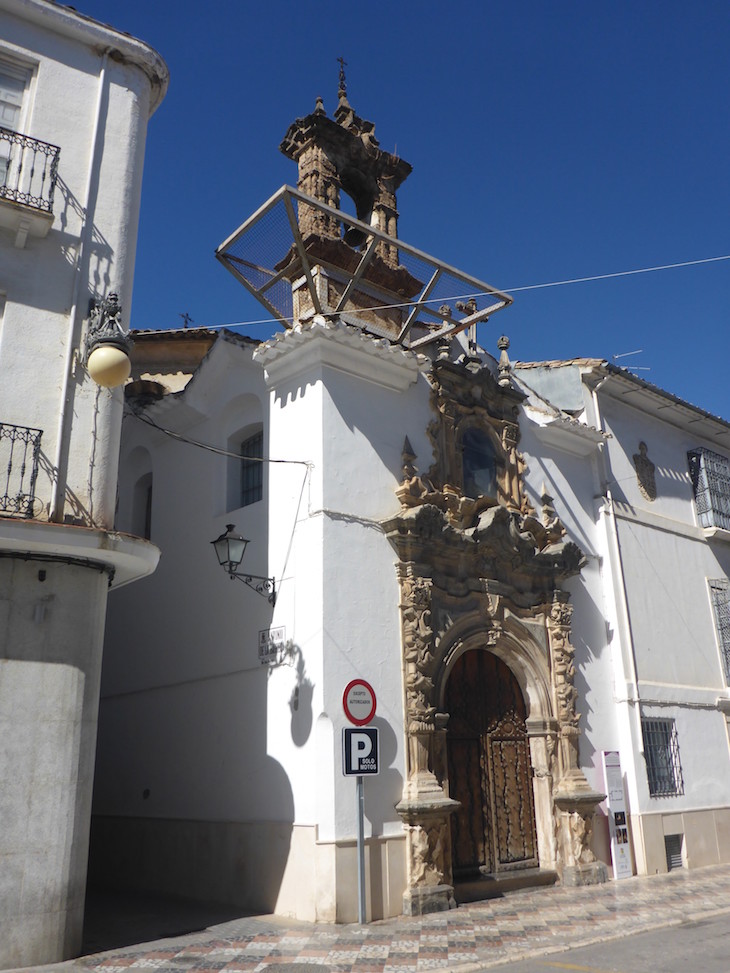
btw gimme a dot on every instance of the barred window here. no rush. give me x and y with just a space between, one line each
661 751
720 594
252 469
710 475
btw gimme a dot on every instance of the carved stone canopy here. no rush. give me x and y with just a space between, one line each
501 547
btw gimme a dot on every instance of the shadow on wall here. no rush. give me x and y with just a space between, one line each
386 789
100 253
300 701
588 644
187 801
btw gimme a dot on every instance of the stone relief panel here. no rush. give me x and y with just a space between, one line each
468 566
645 473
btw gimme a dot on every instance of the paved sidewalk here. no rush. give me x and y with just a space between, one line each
474 936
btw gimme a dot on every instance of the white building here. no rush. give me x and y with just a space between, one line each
468 537
75 99
654 518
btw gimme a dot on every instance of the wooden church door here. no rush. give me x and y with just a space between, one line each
489 768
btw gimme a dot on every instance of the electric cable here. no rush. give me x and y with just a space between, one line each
508 290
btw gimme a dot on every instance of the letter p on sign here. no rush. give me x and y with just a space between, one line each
359 751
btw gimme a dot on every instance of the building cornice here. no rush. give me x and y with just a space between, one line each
124 557
566 433
623 386
79 27
291 354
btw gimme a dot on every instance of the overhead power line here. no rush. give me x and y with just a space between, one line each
509 290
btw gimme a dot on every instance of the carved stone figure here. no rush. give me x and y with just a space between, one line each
427 854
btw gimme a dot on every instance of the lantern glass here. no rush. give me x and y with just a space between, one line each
229 549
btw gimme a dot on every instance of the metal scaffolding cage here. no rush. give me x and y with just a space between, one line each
383 285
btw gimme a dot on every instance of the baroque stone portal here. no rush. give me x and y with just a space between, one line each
480 571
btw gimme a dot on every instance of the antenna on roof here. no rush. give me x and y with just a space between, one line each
632 368
186 319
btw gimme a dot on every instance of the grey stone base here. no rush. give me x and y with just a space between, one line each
594 873
428 898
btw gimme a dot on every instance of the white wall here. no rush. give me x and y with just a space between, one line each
342 611
184 697
101 177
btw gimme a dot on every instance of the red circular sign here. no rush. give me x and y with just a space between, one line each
358 701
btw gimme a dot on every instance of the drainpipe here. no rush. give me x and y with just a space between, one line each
615 546
72 350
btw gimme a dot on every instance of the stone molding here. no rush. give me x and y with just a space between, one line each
291 354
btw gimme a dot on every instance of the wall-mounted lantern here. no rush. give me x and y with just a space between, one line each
229 549
107 344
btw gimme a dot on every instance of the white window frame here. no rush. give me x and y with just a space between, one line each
26 71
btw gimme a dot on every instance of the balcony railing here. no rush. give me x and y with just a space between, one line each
28 170
19 451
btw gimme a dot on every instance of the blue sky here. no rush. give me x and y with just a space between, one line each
548 141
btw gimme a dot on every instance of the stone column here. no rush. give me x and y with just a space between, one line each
425 809
318 178
575 802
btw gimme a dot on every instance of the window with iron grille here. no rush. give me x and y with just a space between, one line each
720 594
252 469
710 473
661 752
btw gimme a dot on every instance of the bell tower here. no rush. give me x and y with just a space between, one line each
302 256
342 155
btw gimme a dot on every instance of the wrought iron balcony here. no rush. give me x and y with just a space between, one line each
28 170
19 452
710 474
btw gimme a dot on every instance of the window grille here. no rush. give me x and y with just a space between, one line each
252 469
661 751
710 475
720 594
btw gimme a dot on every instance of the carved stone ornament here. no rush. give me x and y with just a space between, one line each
465 563
645 473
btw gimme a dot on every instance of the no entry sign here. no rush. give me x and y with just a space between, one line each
358 702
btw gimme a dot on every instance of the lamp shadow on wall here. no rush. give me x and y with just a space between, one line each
300 701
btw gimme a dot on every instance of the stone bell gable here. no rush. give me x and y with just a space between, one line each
480 570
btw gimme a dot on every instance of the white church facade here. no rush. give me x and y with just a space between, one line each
527 562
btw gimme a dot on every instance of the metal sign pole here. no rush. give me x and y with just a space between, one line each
361 918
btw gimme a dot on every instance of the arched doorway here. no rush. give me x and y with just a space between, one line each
489 768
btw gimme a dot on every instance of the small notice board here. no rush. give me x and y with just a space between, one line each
617 823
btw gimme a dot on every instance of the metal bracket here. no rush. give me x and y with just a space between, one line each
266 587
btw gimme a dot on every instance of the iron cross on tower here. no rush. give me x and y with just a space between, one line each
343 82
